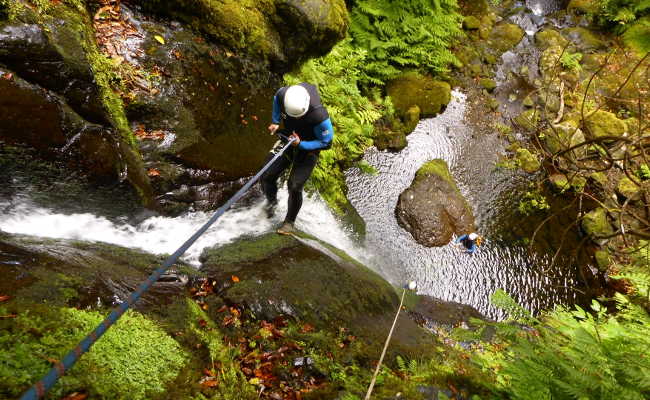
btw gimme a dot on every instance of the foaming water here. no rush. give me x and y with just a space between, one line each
161 235
446 272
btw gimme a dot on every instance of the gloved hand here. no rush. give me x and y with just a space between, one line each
273 128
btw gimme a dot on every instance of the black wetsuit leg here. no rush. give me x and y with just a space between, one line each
303 165
269 179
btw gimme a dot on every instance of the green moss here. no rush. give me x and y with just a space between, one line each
506 36
604 123
559 182
584 39
435 167
527 161
595 224
470 22
135 359
412 88
488 84
583 6
602 260
599 178
528 119
549 37
628 188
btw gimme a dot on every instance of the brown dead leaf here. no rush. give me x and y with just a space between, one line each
222 309
8 316
306 328
208 372
235 278
4 298
153 172
209 382
75 396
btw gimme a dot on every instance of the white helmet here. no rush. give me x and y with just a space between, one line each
473 236
296 101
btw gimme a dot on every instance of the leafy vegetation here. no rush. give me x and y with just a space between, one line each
630 18
385 38
135 357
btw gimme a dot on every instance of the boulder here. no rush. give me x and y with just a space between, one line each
595 224
584 39
628 189
527 161
284 32
305 278
583 6
505 36
82 274
549 37
41 119
470 23
432 209
604 123
412 89
488 84
528 119
563 136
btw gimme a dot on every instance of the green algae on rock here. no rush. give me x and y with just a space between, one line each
527 161
505 36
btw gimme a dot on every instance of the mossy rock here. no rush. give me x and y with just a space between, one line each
284 32
528 161
584 39
310 280
598 177
432 209
559 182
82 274
488 84
470 22
627 188
602 260
549 37
549 60
595 224
604 123
410 89
528 119
505 36
136 356
583 6
563 136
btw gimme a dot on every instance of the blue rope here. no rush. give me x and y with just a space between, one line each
41 387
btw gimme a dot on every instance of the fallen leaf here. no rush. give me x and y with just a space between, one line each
8 316
209 382
4 298
222 308
306 328
208 372
153 172
75 396
235 278
159 39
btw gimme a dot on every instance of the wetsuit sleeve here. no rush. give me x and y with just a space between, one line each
324 133
472 249
461 238
276 110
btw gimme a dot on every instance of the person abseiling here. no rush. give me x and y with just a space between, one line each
470 242
299 109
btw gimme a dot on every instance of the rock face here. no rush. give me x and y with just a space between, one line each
312 281
432 209
80 274
506 36
198 91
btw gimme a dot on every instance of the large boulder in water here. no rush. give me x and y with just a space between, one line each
413 89
311 281
432 209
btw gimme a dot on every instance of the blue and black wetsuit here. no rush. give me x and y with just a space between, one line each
470 245
316 133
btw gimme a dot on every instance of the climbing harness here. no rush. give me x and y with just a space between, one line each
41 387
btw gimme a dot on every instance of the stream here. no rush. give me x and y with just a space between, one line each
445 273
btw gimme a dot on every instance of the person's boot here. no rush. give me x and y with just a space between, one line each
269 208
287 228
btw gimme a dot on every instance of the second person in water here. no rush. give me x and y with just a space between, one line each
299 109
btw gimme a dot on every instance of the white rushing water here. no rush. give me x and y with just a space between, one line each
160 235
